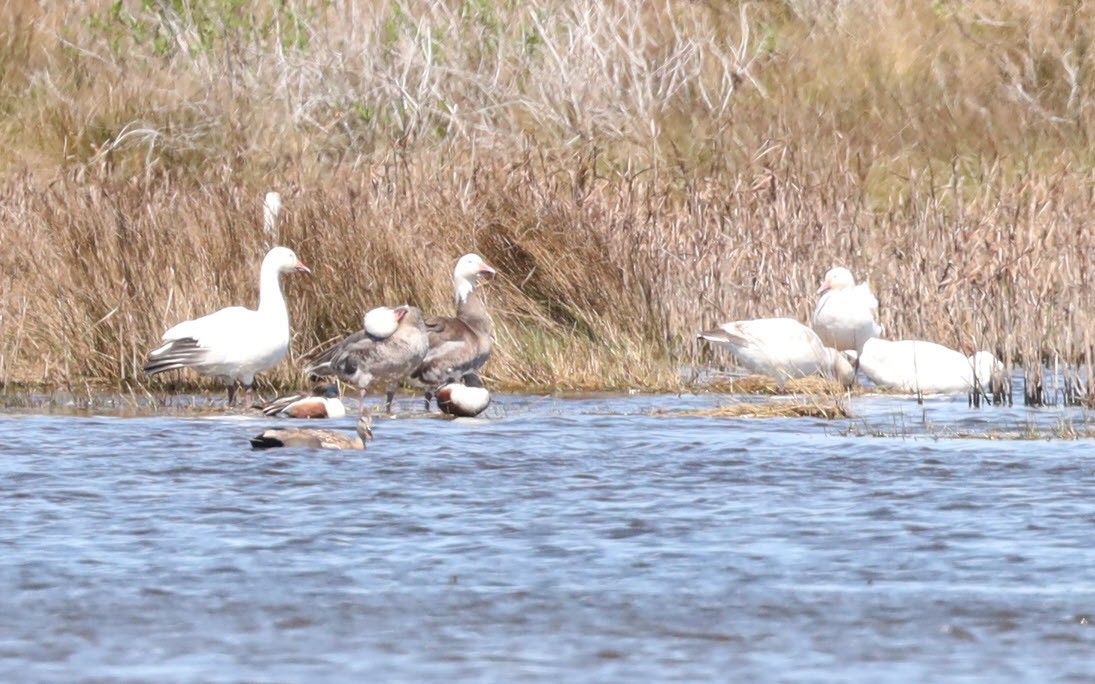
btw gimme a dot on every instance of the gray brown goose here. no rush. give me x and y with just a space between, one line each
459 344
376 354
314 438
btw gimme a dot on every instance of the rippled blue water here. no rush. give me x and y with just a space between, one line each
558 540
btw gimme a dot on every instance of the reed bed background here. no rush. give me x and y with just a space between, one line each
635 171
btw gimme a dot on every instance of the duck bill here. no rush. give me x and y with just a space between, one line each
301 268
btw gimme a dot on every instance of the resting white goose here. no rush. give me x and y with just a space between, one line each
916 366
379 351
234 343
846 314
462 344
781 348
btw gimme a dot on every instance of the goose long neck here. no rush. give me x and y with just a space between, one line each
474 312
464 287
271 299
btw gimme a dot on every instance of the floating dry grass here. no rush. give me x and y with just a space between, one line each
764 385
799 407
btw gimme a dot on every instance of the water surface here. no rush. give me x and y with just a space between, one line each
557 540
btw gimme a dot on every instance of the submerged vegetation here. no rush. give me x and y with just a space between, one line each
635 172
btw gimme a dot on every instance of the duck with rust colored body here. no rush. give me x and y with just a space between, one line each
465 399
323 402
459 344
235 343
314 438
390 345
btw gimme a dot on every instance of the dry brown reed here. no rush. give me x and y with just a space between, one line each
636 171
829 408
762 384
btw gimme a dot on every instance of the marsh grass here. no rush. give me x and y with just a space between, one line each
762 384
635 171
829 408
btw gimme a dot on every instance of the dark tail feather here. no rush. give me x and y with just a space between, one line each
264 442
182 353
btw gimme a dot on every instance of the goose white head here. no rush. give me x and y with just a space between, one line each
467 272
837 278
283 260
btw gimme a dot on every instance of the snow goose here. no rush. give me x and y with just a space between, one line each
846 314
918 367
465 399
313 438
234 343
781 348
323 402
378 352
460 344
271 205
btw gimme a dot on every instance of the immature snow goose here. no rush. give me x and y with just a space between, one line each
313 438
460 344
378 352
846 314
465 399
234 343
323 402
781 348
919 367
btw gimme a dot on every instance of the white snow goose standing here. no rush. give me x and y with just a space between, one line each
234 343
271 206
846 314
379 351
781 348
323 402
458 345
465 399
920 367
314 438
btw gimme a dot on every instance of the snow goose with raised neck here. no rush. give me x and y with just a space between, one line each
920 367
465 399
781 348
271 206
235 343
314 438
323 402
846 314
458 345
380 351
